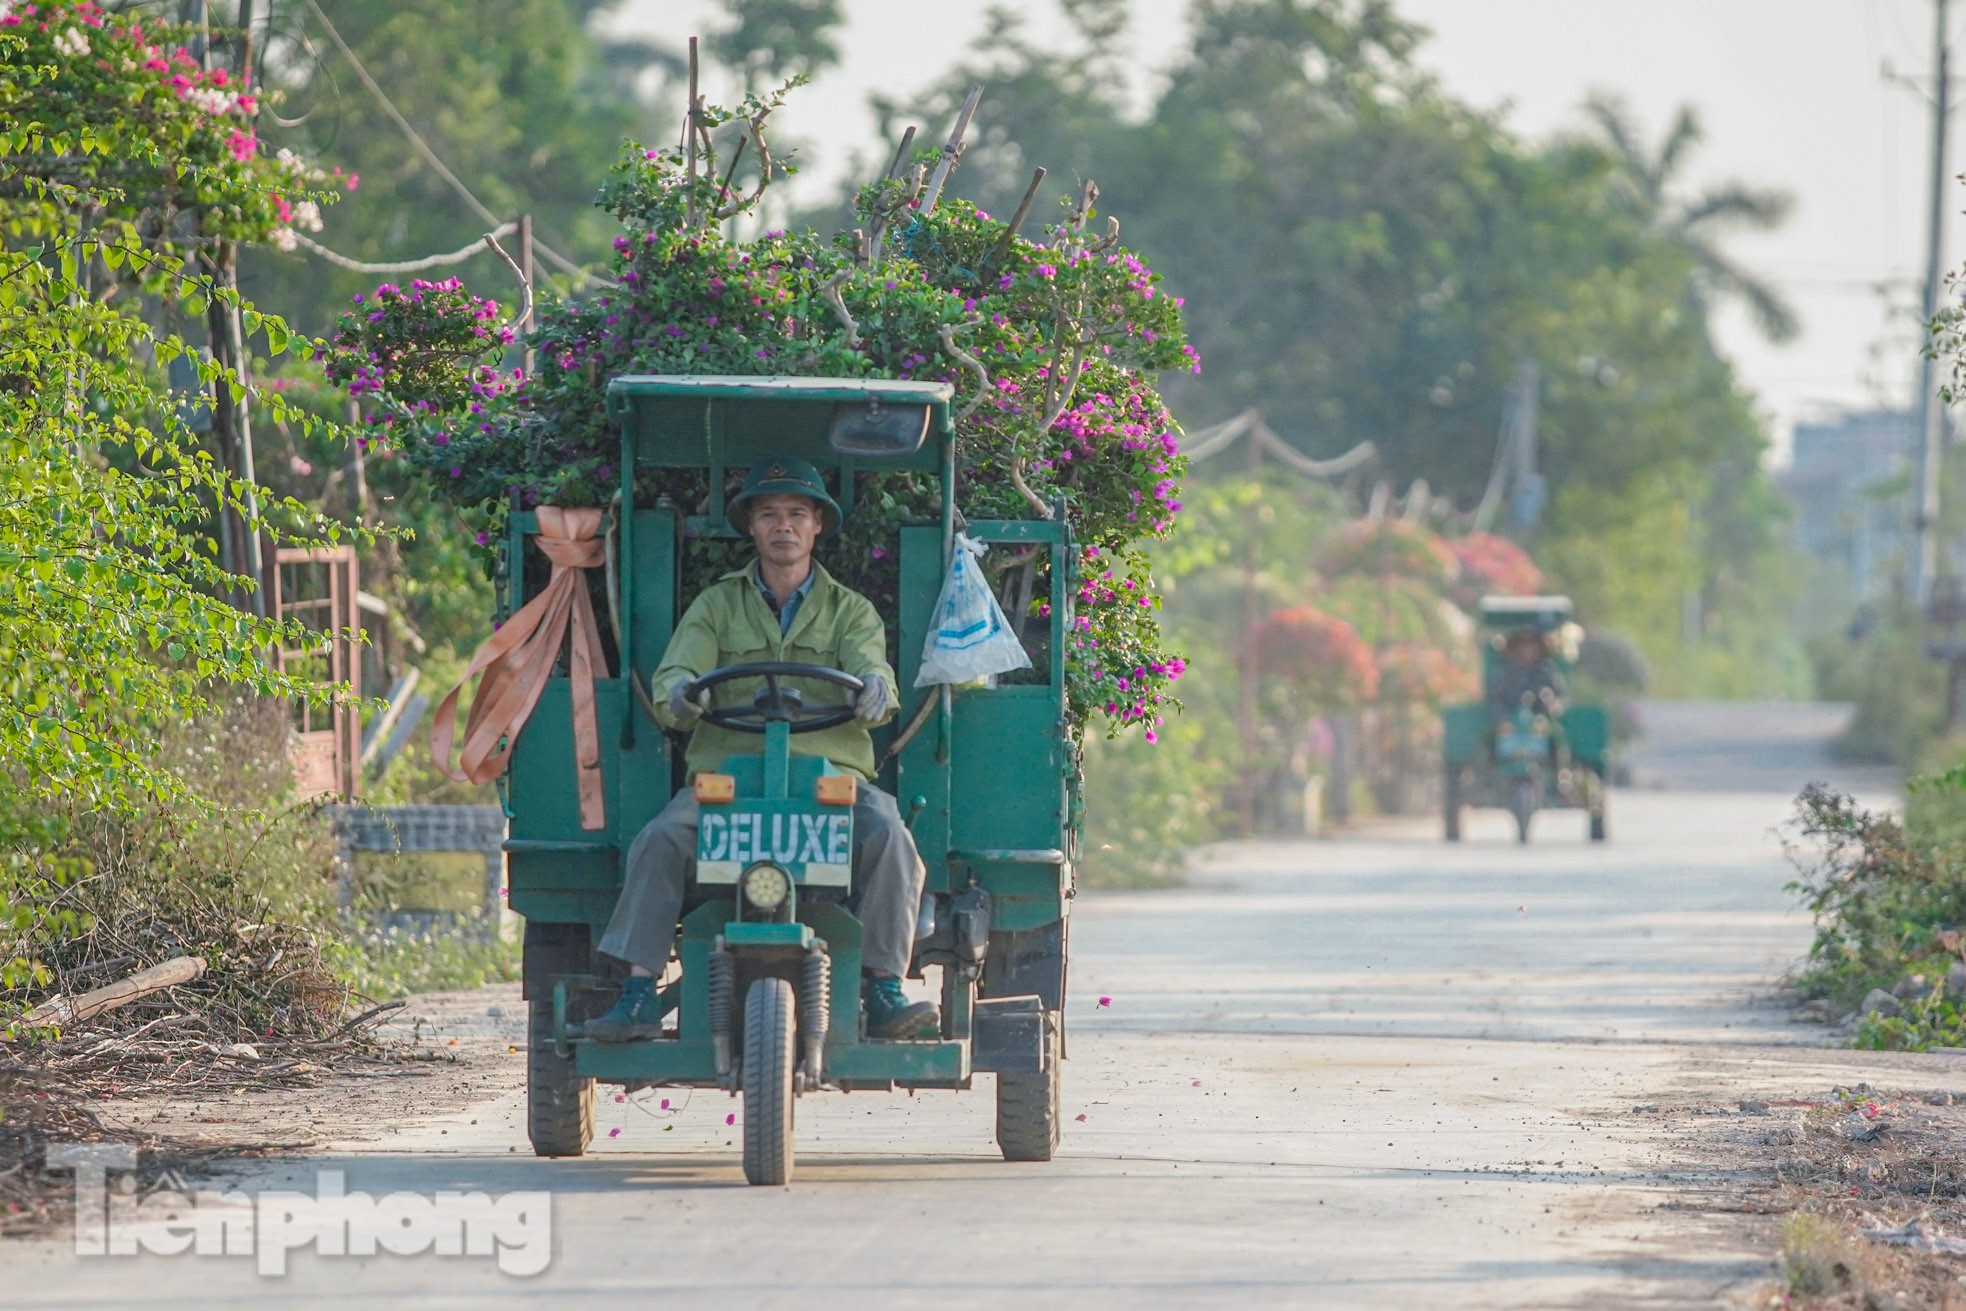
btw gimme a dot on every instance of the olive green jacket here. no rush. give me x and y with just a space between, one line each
730 624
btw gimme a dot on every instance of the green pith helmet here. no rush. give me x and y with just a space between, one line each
783 475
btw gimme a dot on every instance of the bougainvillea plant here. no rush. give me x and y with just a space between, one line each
1387 548
1424 675
1319 657
1492 566
1051 345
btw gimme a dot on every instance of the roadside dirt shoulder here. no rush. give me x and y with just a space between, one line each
451 1049
439 1055
1847 1168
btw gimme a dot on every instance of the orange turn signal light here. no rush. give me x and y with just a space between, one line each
838 790
716 788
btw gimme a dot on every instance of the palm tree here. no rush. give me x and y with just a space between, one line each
1696 224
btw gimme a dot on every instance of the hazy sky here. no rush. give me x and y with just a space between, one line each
1790 91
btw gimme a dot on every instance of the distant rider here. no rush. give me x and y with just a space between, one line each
1527 670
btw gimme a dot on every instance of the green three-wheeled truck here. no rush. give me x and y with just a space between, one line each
1513 750
763 999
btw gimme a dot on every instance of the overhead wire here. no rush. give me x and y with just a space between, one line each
409 265
430 156
1249 424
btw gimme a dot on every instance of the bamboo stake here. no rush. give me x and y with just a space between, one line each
901 152
689 135
951 149
1016 220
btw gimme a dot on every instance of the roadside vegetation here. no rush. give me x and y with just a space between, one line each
1889 899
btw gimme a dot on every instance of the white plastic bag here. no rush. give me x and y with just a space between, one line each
970 638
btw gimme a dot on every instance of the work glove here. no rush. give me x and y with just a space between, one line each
871 703
685 711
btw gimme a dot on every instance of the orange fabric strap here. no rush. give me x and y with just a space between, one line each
518 659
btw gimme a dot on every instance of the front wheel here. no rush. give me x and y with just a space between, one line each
1027 1104
1450 800
767 1080
559 1103
1522 804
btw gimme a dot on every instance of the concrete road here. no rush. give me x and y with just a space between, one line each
1377 1071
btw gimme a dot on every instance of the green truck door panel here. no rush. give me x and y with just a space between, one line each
550 852
1007 770
1587 730
1464 728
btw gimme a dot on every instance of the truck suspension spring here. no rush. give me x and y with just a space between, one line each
815 1010
722 1004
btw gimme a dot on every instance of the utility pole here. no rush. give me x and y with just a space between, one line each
1929 421
232 421
1246 663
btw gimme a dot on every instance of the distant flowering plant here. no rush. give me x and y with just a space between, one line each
1492 566
1050 346
1387 548
123 84
1318 657
1411 671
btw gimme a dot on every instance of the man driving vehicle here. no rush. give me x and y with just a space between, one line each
1526 670
781 607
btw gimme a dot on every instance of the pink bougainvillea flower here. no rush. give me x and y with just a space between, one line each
731 1118
1105 1001
615 1132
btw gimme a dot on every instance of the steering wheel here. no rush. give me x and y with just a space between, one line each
775 703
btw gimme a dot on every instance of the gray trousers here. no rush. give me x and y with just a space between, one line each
887 876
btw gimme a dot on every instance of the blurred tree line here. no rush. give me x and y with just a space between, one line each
1368 258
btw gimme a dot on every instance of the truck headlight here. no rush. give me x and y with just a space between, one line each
766 886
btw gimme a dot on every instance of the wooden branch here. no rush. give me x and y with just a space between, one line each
830 289
491 239
63 1010
1088 197
757 134
948 334
725 211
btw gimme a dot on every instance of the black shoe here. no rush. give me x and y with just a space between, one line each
891 1015
637 1014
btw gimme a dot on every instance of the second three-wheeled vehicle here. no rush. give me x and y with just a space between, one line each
762 998
1524 747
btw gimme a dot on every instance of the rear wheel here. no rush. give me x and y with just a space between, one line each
769 1034
1450 800
559 1103
1027 1104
